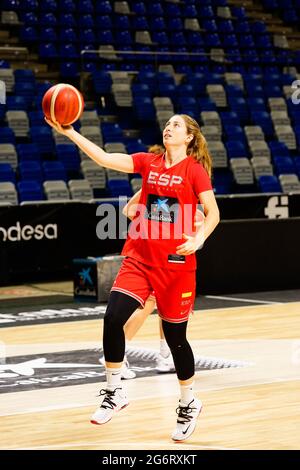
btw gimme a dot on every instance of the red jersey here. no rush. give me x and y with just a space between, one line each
166 210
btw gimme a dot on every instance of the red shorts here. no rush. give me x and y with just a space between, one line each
174 290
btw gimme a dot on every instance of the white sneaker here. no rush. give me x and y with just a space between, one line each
113 401
126 372
165 364
186 421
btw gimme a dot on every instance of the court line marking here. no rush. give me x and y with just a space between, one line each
147 397
176 446
239 299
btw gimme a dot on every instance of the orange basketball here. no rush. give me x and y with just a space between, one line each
63 103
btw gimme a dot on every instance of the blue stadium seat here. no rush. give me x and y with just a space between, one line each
30 170
67 6
194 38
158 24
234 132
48 5
111 132
242 27
122 22
222 181
30 191
206 104
239 12
155 9
7 136
212 40
47 19
229 117
225 26
283 165
69 156
246 41
4 64
140 23
236 149
189 11
138 8
48 51
229 40
7 173
144 109
67 20
87 36
160 37
103 7
68 35
104 24
54 171
16 103
69 69
119 188
263 119
24 75
135 146
172 10
209 25
102 82
28 34
29 18
256 104
10 5
278 149
205 12
123 38
269 184
258 27
68 51
28 152
85 7
297 165
28 5
86 21
175 24
42 136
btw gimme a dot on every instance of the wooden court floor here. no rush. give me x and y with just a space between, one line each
252 407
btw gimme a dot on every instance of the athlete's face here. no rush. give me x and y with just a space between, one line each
175 132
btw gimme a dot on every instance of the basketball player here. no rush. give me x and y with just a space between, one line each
173 183
164 361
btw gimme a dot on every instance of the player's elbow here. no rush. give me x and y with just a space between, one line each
125 210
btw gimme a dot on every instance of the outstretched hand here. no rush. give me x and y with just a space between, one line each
58 127
191 245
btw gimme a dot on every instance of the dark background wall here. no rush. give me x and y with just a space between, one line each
240 256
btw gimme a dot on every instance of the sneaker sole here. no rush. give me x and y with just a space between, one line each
189 435
92 421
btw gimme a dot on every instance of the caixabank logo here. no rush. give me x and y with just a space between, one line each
18 232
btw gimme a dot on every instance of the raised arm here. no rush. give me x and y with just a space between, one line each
130 209
115 161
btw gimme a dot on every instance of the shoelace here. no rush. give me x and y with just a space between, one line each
108 400
184 413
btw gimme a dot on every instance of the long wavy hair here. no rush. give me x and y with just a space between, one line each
197 148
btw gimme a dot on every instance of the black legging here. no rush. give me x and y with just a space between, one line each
120 308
